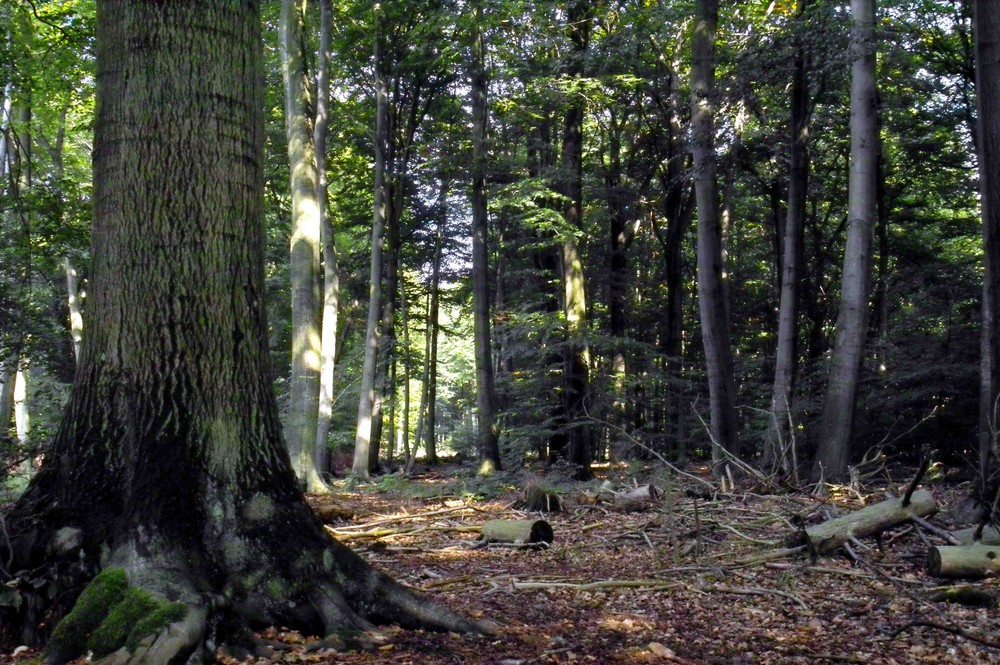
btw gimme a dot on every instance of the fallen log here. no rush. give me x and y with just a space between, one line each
519 532
991 536
869 521
971 561
635 498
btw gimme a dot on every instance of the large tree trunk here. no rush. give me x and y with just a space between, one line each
363 436
852 320
169 463
302 416
779 450
987 36
487 435
712 302
576 355
331 274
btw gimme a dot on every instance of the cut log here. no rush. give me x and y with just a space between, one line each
635 498
991 536
970 561
869 521
519 532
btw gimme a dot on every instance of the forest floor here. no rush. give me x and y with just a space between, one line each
685 580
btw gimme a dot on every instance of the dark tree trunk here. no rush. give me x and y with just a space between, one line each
987 40
576 355
487 436
169 462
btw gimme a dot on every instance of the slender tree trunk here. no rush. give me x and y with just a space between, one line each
331 274
75 310
362 440
433 328
712 302
779 451
987 40
852 320
302 418
488 444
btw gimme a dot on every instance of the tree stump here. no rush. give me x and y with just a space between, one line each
832 534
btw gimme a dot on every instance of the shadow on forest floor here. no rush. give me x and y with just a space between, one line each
683 580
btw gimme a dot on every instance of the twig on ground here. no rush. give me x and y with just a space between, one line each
954 630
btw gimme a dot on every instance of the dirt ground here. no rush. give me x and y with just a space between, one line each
689 578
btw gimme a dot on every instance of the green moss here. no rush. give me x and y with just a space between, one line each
104 592
110 636
164 615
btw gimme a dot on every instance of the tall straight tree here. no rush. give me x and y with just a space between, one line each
362 465
487 436
852 320
305 249
169 466
987 46
331 275
712 293
576 356
778 450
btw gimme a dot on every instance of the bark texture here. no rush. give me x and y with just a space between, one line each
852 320
169 462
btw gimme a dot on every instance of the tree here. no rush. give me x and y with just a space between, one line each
712 300
331 276
169 471
304 383
987 44
363 465
779 450
488 446
852 320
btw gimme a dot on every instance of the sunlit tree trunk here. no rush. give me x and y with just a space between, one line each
363 435
576 356
852 320
8 371
487 436
778 449
711 276
987 41
331 274
301 422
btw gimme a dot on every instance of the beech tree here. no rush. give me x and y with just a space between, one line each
169 471
852 320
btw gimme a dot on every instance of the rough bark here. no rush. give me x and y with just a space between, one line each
361 466
712 303
987 45
488 436
852 320
169 462
779 451
331 274
302 418
576 355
